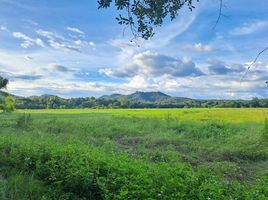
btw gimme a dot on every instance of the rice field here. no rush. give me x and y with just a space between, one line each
134 154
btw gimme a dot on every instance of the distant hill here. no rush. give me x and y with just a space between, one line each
149 97
4 94
135 100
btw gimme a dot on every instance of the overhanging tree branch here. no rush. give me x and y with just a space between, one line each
255 60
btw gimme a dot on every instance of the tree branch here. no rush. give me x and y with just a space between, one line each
219 14
255 60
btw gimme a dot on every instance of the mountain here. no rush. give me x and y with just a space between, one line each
3 94
149 97
113 97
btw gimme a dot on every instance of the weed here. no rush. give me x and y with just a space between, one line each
135 154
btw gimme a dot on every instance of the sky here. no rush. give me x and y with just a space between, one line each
72 49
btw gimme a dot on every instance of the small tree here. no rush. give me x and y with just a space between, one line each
8 104
3 82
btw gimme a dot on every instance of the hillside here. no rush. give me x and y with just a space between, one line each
149 97
135 100
4 94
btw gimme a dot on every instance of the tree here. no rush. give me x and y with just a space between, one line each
143 15
8 104
3 82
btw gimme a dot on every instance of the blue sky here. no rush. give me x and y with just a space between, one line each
72 49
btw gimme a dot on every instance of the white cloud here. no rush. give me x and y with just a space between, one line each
83 43
3 28
28 57
60 42
46 34
138 83
249 28
199 47
91 43
28 41
39 42
152 64
170 32
61 46
75 30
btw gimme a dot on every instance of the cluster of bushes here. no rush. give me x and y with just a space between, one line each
77 171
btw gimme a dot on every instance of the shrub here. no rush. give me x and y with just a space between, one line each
90 173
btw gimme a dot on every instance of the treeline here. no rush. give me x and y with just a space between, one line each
54 102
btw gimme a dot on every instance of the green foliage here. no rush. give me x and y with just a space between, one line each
21 186
91 173
142 16
3 82
133 154
265 129
25 120
8 104
135 100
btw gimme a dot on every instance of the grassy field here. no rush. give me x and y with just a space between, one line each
134 154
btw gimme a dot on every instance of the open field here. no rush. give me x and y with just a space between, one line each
134 154
234 115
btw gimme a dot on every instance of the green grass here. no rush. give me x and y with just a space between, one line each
233 115
136 154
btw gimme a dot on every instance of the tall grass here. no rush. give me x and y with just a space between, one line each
117 155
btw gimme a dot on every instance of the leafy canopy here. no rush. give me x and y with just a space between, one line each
143 15
3 82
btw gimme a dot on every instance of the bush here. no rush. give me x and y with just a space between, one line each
90 173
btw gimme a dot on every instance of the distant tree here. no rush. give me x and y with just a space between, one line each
124 103
255 102
3 82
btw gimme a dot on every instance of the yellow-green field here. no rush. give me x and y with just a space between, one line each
79 154
233 115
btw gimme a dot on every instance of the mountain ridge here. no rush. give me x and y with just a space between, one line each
149 97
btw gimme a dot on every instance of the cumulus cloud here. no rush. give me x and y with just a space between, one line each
249 28
199 47
75 30
218 67
152 64
28 41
